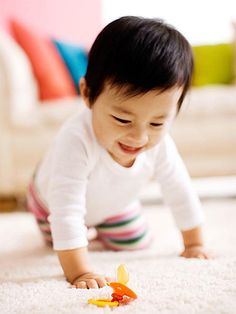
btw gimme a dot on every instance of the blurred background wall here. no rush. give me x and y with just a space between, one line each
73 20
201 21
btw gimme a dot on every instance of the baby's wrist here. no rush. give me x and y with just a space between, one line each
81 274
193 238
192 245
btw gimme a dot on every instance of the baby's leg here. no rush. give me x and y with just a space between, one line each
127 231
39 210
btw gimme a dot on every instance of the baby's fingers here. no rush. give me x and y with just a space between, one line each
101 282
80 285
92 284
109 279
192 254
88 284
201 256
207 255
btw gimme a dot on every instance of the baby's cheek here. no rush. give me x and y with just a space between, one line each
152 144
155 139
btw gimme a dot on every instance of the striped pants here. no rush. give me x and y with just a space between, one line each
127 231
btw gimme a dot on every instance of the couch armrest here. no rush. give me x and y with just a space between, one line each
19 94
4 98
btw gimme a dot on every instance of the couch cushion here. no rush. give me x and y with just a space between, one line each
234 43
75 58
51 73
213 64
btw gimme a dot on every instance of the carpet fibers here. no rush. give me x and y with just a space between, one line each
31 280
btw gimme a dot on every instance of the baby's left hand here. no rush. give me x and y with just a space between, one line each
197 251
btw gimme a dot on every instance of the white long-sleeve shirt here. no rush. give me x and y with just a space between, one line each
82 185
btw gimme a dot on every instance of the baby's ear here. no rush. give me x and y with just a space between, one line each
84 91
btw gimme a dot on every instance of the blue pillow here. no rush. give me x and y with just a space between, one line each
76 59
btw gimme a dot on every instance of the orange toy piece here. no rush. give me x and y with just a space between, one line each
122 290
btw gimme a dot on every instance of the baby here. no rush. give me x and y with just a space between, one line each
139 71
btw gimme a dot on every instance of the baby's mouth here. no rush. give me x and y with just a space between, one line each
129 149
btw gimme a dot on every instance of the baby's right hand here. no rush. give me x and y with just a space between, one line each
90 281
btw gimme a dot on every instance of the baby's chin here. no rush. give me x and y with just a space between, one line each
122 160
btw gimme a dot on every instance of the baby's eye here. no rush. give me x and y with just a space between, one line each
121 120
156 124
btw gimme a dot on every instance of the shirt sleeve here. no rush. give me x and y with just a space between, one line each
176 186
67 191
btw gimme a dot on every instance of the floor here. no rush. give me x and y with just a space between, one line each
31 280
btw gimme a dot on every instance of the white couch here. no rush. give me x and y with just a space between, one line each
205 130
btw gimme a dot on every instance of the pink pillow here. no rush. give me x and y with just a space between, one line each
51 73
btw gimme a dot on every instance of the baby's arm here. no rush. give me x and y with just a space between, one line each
71 164
77 269
180 196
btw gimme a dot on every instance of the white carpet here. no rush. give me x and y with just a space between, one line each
31 279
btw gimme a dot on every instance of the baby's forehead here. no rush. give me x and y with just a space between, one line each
149 105
127 91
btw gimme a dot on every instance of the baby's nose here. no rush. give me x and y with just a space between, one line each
139 137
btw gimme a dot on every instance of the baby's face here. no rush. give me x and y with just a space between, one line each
128 126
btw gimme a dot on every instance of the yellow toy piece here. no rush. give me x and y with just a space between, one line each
103 303
122 274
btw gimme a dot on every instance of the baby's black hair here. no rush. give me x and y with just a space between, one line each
139 55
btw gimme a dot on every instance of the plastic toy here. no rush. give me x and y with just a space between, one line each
122 274
121 293
102 303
